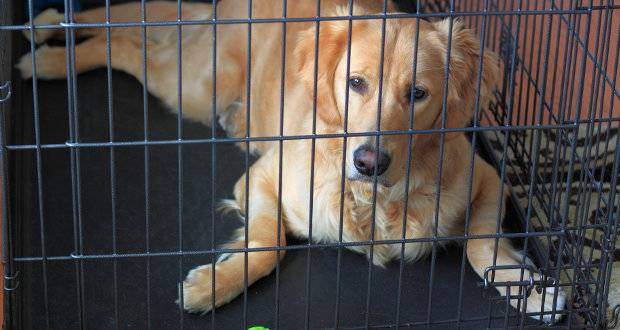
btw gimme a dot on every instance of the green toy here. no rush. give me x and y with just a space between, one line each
258 327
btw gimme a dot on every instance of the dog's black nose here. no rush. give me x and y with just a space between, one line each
364 159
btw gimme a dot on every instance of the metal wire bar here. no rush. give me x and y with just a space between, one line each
408 168
442 139
73 25
180 194
214 154
75 157
10 275
507 119
39 166
610 230
146 134
506 128
280 162
472 161
375 178
295 247
247 162
534 168
344 149
569 177
112 161
312 156
583 195
7 237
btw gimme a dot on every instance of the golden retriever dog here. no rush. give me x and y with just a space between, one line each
353 90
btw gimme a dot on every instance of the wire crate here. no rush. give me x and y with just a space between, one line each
99 229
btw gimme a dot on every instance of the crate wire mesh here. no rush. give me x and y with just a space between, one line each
564 175
571 167
552 133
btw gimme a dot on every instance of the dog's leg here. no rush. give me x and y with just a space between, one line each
230 268
481 252
89 55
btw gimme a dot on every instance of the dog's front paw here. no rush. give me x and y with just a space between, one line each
24 65
535 304
50 16
198 289
49 61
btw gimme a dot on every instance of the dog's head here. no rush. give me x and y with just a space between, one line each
385 95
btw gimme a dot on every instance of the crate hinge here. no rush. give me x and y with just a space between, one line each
11 282
5 91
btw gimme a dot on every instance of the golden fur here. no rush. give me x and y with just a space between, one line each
299 74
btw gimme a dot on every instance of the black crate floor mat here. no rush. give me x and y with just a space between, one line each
146 288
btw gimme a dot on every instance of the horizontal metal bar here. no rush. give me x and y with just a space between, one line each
294 19
481 318
293 247
289 137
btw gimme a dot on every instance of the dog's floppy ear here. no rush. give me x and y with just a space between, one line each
463 80
332 43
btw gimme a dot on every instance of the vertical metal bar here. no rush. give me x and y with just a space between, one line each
609 232
112 160
75 158
472 159
147 152
344 148
247 165
409 165
612 225
525 76
373 215
280 160
586 157
7 237
8 266
180 135
507 304
499 22
442 136
565 201
572 31
546 161
37 128
213 153
598 85
580 233
556 151
312 162
504 159
534 170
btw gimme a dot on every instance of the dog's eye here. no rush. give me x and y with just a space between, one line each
418 94
358 84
